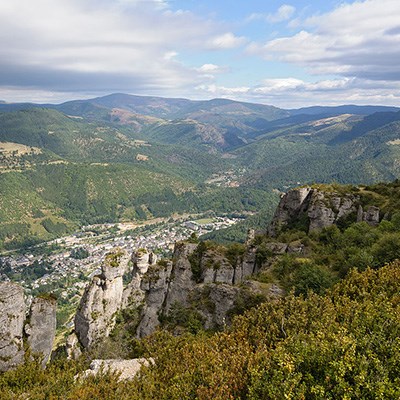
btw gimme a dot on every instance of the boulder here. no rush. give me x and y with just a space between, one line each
127 369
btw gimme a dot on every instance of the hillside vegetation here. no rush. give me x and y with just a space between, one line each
334 333
343 344
176 155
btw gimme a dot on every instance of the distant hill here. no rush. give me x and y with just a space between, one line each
323 151
217 124
345 109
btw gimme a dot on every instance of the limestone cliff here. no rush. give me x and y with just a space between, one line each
311 209
200 278
12 317
39 329
141 260
155 287
102 298
105 295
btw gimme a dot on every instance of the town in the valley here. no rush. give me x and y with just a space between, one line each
63 266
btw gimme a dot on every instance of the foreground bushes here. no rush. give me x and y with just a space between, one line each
343 345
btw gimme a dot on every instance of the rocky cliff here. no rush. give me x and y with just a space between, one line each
311 209
200 279
39 330
12 318
102 298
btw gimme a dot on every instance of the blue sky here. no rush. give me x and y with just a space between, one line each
289 54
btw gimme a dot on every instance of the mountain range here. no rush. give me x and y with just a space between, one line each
124 157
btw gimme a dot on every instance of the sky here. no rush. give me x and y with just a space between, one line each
288 54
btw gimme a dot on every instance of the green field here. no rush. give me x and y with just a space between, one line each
205 221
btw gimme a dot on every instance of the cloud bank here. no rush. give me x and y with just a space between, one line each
355 40
91 47
115 45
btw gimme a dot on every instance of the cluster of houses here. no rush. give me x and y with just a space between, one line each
64 268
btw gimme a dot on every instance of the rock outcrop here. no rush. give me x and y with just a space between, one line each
155 288
127 369
41 329
312 209
218 300
292 204
200 279
141 261
12 318
102 298
371 216
196 275
182 281
106 295
72 347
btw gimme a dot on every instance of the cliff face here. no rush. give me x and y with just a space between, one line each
12 317
105 295
100 301
198 278
40 330
312 209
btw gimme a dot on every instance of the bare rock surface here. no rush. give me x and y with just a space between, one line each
102 298
291 204
181 276
127 369
72 347
41 329
315 209
155 286
12 317
133 294
247 266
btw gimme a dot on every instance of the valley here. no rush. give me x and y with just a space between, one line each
122 158
64 266
199 200
129 172
180 223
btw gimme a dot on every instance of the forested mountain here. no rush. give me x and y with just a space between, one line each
122 157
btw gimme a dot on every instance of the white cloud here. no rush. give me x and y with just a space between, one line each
222 91
293 92
283 13
109 45
169 55
226 41
354 40
212 69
